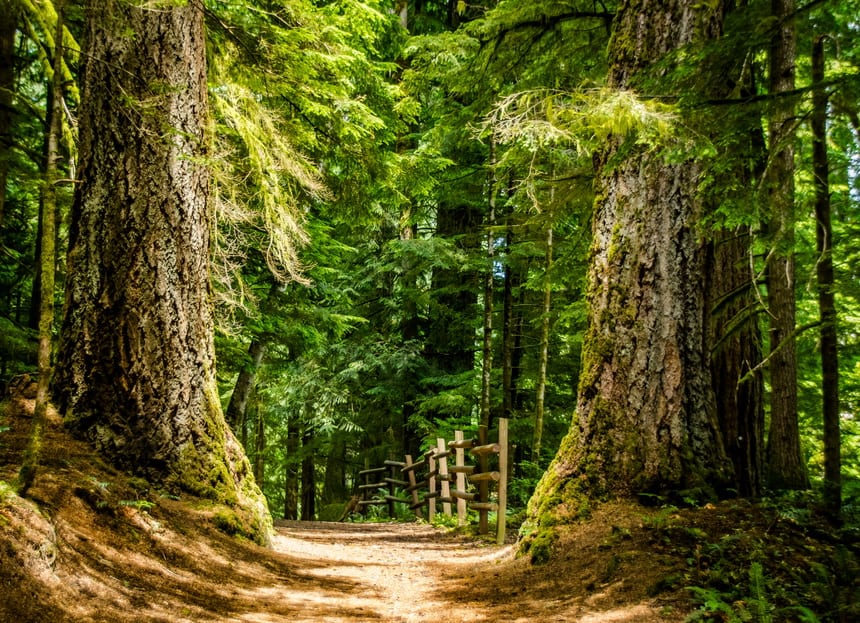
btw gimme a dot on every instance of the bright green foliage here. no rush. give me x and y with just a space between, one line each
352 168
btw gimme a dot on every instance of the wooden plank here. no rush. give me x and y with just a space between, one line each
483 485
484 506
490 448
375 470
413 488
418 485
431 494
503 481
485 477
394 463
462 496
411 467
395 481
461 477
372 485
442 456
462 443
462 469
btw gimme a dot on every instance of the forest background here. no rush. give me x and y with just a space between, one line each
404 199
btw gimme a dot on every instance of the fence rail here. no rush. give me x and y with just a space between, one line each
431 479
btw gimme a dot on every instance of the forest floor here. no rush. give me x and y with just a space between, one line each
91 544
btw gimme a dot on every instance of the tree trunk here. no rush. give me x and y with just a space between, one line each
645 418
786 468
291 471
489 295
8 24
47 259
309 483
736 341
136 368
544 347
826 288
238 404
334 484
259 444
512 328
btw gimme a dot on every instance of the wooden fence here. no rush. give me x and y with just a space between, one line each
436 479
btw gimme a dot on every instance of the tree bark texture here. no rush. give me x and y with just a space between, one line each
136 366
238 405
291 471
645 418
786 468
826 288
8 23
543 359
736 344
734 303
309 480
47 260
489 295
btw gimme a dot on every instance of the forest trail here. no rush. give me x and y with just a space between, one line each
414 573
95 545
384 572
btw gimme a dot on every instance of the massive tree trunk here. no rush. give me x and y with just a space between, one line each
645 418
786 468
136 369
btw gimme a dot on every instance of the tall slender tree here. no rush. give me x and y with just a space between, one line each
47 268
786 468
826 287
135 371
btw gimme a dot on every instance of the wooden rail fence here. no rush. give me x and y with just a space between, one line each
434 479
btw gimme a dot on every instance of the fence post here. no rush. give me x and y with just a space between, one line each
431 484
460 455
483 485
442 453
501 517
413 486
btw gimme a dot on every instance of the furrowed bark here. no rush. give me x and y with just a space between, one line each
136 373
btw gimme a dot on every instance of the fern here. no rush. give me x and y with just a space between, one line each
758 602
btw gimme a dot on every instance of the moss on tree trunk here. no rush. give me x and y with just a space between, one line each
136 373
645 419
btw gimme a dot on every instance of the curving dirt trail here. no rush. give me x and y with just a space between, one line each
91 547
401 573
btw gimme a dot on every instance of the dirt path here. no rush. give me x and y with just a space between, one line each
402 573
91 547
